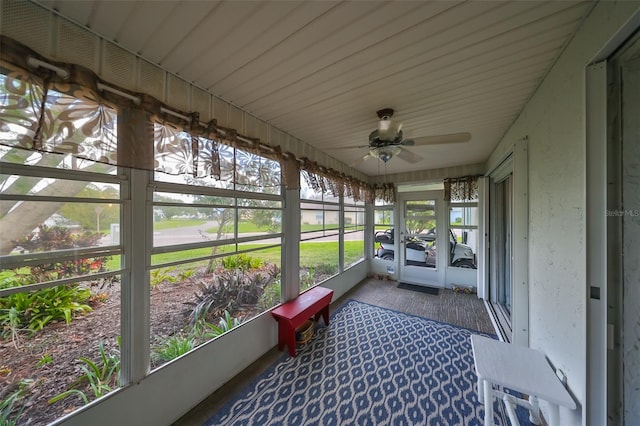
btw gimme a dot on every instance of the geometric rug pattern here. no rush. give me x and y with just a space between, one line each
371 366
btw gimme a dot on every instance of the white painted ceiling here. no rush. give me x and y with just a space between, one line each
320 70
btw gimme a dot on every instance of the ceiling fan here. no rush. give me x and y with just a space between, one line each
387 141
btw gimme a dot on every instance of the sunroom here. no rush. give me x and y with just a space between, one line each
171 171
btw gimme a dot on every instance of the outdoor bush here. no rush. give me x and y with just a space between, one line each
206 330
242 261
49 238
228 291
158 276
35 309
325 269
173 347
271 296
9 412
102 376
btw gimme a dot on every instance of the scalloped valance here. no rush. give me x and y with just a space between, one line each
461 189
62 108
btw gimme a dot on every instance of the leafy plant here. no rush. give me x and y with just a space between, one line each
35 309
208 331
228 291
44 360
184 274
49 238
101 376
161 275
242 261
9 413
271 296
173 347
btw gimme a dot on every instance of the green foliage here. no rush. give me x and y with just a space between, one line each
50 238
242 261
161 275
173 347
9 412
229 290
176 223
208 331
184 274
102 376
307 279
44 360
326 269
35 309
85 214
271 296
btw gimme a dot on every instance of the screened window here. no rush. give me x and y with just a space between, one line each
319 235
354 216
463 220
382 225
215 243
60 271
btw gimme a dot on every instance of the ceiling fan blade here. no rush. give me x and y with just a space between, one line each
348 147
409 156
408 142
442 139
360 161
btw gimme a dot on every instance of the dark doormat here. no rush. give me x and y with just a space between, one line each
420 288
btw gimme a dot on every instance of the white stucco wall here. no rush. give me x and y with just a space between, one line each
554 121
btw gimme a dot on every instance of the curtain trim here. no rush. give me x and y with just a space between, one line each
146 109
461 189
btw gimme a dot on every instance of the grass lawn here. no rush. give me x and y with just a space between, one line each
176 223
311 254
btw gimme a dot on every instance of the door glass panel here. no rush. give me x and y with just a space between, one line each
503 252
420 237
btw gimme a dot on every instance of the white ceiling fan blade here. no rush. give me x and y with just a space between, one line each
442 139
409 156
360 161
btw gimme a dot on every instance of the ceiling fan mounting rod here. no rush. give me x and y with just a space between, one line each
385 113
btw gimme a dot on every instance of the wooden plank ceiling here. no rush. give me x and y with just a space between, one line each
320 70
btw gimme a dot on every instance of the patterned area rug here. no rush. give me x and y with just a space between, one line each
371 366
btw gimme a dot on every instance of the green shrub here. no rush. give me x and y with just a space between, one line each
35 309
242 261
207 331
173 347
9 413
271 296
102 376
228 291
161 275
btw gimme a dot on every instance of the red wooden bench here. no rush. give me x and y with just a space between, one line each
290 315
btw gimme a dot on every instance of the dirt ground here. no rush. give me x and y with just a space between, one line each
62 344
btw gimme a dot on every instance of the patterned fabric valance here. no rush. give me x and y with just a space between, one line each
461 189
62 108
323 180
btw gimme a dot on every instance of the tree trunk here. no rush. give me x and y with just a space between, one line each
26 216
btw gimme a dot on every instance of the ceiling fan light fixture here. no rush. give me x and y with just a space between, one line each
385 153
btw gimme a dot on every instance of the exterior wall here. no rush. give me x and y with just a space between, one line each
554 122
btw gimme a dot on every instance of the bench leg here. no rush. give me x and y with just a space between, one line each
286 336
325 315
